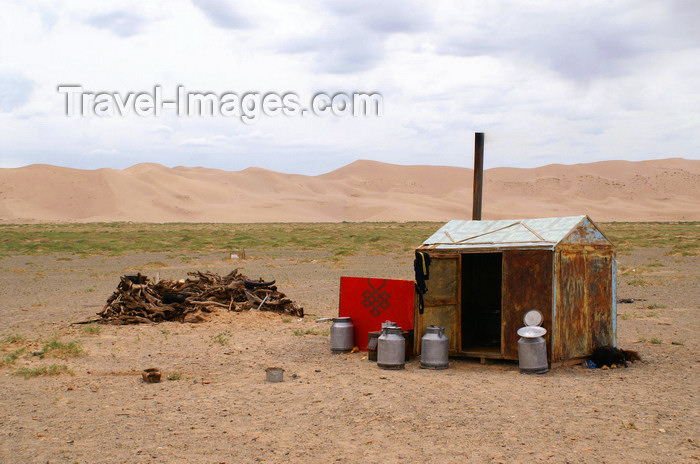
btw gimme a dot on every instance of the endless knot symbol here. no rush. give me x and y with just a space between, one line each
375 299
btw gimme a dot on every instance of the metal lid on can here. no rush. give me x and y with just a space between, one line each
532 331
342 319
533 318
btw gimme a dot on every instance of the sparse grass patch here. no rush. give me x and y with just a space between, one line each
653 314
343 252
677 342
53 369
10 358
638 283
174 238
286 320
12 338
685 248
300 332
656 341
155 264
80 240
91 329
174 376
18 270
655 264
56 348
656 306
221 338
64 258
165 333
681 238
623 316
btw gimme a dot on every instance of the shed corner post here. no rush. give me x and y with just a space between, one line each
613 270
553 336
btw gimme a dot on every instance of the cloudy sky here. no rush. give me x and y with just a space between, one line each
547 81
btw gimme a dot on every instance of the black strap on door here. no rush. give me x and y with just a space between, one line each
421 266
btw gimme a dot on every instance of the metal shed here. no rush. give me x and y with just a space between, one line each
485 275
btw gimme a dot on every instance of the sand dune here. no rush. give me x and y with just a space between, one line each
658 190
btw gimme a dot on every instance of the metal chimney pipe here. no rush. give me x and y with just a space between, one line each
478 174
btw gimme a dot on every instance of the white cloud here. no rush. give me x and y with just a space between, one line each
103 151
353 37
222 14
205 141
162 129
121 23
389 16
15 90
256 135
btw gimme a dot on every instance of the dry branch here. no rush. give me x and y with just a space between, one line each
139 300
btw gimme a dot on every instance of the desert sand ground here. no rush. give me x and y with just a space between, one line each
339 408
656 190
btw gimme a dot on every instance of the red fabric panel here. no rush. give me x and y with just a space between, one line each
369 302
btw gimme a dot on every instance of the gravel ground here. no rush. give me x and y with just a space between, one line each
338 407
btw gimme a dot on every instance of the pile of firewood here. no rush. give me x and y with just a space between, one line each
140 300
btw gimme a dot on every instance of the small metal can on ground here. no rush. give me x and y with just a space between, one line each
274 374
151 375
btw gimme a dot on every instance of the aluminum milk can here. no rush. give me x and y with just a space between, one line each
435 348
532 350
532 355
342 335
391 349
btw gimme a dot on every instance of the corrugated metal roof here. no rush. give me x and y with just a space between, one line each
512 233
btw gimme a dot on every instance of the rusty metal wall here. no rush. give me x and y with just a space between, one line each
584 306
527 284
600 295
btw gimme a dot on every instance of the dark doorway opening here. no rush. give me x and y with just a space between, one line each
481 302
